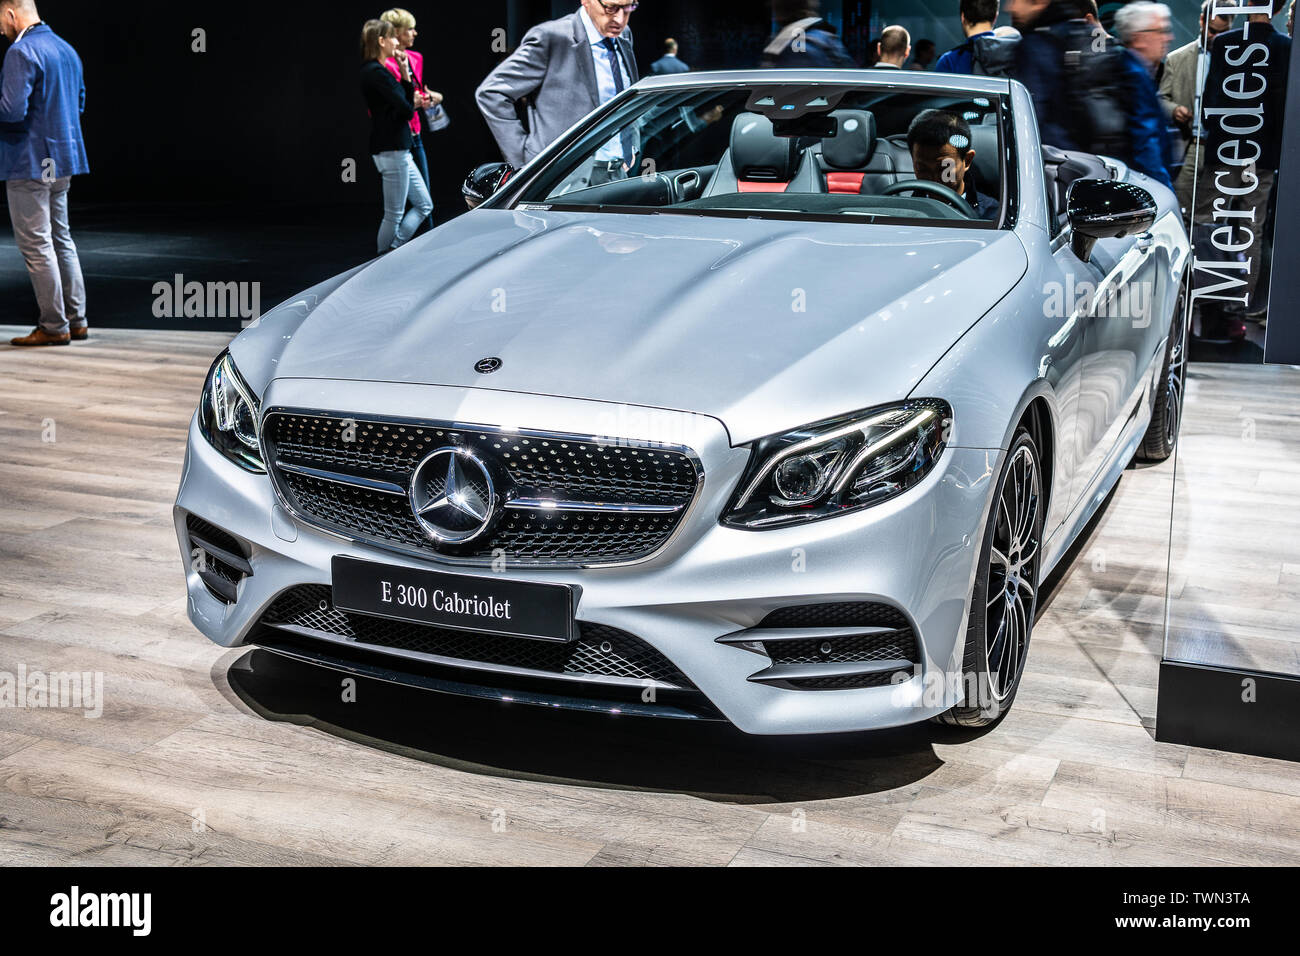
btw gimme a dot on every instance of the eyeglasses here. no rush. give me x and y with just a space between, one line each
614 9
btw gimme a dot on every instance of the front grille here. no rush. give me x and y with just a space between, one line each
533 467
600 651
899 643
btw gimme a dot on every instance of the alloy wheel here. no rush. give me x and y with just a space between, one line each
1013 574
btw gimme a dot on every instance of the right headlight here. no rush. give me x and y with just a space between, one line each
841 465
228 415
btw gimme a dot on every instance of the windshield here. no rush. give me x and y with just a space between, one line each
848 153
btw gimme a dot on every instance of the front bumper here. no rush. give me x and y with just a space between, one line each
916 553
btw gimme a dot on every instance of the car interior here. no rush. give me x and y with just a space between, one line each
859 166
849 171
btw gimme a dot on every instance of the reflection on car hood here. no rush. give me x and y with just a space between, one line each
765 325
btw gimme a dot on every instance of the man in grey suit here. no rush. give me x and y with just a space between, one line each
1182 84
564 68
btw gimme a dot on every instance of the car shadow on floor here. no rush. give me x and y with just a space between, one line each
707 759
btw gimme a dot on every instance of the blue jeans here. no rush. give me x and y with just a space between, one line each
422 164
401 182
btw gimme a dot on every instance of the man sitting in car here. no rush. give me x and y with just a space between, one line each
940 143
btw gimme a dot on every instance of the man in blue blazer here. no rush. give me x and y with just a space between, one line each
668 64
42 96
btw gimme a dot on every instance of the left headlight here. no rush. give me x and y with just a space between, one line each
228 415
842 465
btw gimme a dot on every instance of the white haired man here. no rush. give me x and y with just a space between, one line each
1143 29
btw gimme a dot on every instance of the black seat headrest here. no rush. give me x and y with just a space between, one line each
758 154
988 167
854 142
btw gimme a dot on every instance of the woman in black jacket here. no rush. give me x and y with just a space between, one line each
391 104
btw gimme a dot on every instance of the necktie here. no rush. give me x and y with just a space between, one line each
626 137
612 49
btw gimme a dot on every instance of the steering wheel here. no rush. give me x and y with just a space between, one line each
934 191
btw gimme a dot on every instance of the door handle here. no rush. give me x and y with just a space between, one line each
1145 242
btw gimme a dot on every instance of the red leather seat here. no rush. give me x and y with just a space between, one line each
847 155
759 161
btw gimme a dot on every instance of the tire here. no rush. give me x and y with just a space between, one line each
1167 414
1005 596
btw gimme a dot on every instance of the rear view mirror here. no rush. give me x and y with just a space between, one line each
483 181
1105 209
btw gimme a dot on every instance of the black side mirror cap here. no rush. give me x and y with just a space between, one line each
483 181
1106 209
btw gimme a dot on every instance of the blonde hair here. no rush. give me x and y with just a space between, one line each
371 34
402 19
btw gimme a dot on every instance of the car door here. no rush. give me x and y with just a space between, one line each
1121 332
1064 276
1072 278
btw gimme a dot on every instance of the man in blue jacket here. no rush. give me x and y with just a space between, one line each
804 39
1144 30
977 19
42 96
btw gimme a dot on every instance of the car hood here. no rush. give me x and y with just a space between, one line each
766 325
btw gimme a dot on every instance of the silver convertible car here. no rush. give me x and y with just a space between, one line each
766 397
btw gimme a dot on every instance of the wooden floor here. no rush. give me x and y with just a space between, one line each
209 756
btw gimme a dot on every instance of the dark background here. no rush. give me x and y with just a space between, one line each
271 110
227 165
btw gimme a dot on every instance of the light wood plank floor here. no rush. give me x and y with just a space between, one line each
199 758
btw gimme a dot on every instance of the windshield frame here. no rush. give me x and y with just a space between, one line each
510 196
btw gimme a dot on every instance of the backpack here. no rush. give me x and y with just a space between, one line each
994 56
1092 76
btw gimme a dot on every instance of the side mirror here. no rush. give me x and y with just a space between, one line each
1105 209
484 181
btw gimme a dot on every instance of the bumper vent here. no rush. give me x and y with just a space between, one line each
565 500
845 646
221 561
601 653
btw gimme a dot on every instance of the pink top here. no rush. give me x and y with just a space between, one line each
417 72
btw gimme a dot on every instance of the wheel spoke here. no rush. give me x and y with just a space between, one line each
1023 493
1026 622
1007 661
1010 663
1018 484
1173 409
1004 515
999 640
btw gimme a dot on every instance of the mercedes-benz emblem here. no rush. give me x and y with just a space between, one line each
488 365
453 496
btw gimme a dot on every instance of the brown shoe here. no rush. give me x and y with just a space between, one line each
80 334
39 336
